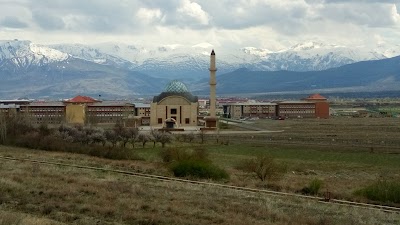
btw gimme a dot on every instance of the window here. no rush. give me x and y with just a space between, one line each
187 121
159 120
173 111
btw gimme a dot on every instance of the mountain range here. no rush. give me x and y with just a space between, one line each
121 70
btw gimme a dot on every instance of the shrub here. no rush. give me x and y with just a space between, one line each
34 140
264 166
29 140
312 188
174 154
188 137
198 169
383 191
178 154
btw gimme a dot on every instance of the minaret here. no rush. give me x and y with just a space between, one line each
213 84
211 120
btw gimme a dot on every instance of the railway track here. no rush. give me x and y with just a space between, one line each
388 209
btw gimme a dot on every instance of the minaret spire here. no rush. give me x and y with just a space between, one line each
213 84
212 120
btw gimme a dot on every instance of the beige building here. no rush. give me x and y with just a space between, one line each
45 112
249 109
78 110
176 107
142 113
314 106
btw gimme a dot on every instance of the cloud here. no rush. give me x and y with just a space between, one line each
148 16
371 14
12 22
222 22
193 13
46 20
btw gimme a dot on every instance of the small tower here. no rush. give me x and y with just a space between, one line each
211 121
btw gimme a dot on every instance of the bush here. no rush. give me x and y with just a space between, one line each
383 191
34 140
312 188
264 166
198 169
178 154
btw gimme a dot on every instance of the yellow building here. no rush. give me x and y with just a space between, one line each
176 107
142 113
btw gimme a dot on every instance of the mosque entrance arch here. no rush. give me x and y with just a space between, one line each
170 123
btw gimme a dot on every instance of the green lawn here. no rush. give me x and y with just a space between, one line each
228 155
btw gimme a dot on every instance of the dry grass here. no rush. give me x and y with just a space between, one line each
381 132
73 196
15 218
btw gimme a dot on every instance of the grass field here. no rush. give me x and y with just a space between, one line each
345 154
42 194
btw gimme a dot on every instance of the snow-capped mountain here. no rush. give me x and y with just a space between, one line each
191 62
92 54
311 56
121 69
169 61
20 55
27 69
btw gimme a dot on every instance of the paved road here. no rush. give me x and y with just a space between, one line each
196 129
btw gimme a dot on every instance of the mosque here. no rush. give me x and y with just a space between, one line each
175 107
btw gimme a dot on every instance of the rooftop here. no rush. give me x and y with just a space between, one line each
82 99
315 97
112 103
250 103
46 104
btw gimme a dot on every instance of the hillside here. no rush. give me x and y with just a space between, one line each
378 75
47 194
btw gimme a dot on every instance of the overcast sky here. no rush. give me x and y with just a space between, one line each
271 24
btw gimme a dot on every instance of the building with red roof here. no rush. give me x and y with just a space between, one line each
315 97
81 99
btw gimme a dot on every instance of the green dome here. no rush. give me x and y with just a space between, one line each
176 86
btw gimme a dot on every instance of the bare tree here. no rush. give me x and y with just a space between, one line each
3 129
265 167
202 135
155 136
143 138
162 137
189 137
133 134
112 137
97 135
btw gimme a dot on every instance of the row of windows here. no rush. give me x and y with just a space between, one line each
259 110
107 114
44 110
47 119
111 109
297 111
47 113
296 106
44 115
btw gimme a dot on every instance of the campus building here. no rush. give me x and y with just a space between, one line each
314 106
142 114
249 109
78 110
44 112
